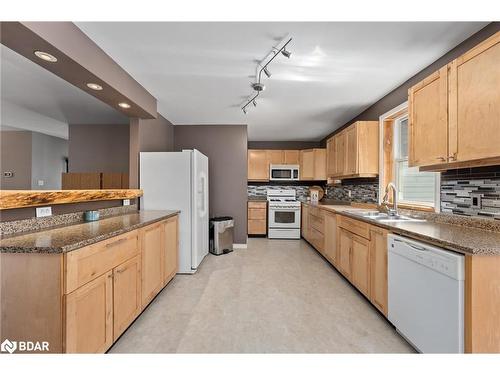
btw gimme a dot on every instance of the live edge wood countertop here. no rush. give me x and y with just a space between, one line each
62 239
459 238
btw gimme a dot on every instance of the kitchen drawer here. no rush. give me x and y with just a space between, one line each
257 214
355 226
318 212
318 223
257 226
317 239
88 263
260 204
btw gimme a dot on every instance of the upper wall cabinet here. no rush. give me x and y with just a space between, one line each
313 164
455 112
354 151
260 160
258 165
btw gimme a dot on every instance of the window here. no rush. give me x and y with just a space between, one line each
414 187
418 190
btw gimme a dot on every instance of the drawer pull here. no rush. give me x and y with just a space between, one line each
117 242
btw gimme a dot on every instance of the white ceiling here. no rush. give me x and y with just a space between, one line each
201 72
27 89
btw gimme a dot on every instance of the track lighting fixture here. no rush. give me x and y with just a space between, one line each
258 86
285 53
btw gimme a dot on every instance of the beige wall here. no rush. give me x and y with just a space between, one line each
98 148
16 157
148 136
226 148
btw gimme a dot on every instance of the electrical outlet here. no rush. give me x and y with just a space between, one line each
41 182
43 211
126 202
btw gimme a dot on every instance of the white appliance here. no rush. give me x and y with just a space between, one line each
284 214
283 172
179 181
426 295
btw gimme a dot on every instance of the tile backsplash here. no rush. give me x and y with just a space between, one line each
302 191
359 190
462 188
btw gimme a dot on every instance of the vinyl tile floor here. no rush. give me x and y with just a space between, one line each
276 296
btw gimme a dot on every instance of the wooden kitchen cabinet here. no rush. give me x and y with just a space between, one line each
170 242
126 294
89 316
378 268
257 218
428 120
344 251
152 256
474 89
313 164
331 237
258 165
455 112
305 222
360 264
291 157
354 151
276 156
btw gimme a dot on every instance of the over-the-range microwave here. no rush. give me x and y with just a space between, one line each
283 172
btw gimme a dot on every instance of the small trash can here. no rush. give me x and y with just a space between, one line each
221 235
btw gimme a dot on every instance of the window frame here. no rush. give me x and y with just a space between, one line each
397 114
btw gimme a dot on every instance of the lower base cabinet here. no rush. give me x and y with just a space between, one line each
91 295
89 316
358 250
360 264
378 268
127 301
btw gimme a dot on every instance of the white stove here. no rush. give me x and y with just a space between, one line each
284 214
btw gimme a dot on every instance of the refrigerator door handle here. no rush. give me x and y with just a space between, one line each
203 194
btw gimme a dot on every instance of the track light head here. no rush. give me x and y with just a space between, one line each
268 73
286 53
258 86
244 110
254 103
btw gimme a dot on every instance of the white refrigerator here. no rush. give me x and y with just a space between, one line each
179 181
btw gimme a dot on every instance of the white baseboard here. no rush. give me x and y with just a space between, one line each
239 245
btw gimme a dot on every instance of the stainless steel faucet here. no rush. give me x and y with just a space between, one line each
385 201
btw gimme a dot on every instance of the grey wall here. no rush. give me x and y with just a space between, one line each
226 148
148 136
400 94
47 161
282 145
16 157
98 148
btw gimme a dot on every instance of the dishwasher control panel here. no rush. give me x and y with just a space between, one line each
443 261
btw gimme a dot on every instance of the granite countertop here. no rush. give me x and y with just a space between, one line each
62 239
462 239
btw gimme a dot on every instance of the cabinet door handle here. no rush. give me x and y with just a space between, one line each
442 158
453 157
117 242
120 270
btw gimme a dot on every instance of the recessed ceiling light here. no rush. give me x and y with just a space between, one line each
124 105
94 86
45 56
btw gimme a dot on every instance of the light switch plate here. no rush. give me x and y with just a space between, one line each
43 211
126 202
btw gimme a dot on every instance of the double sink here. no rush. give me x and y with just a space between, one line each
382 216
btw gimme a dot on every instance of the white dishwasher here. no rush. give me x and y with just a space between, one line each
426 295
